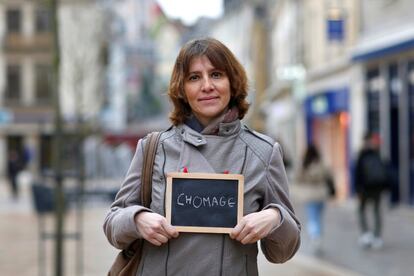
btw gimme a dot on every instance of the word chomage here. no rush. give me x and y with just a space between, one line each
205 201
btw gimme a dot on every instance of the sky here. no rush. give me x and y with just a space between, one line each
190 10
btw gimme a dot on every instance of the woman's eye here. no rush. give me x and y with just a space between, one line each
193 78
216 75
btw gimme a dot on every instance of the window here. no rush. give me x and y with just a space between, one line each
46 151
43 85
411 125
13 18
372 93
43 20
13 82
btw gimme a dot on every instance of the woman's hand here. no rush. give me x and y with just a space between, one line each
154 228
256 226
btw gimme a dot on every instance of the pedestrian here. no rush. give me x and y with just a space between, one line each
371 179
208 90
312 179
14 166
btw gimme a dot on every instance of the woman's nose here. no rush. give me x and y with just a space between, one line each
207 84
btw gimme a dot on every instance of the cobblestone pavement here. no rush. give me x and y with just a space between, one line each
19 237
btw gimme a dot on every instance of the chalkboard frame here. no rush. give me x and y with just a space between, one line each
203 229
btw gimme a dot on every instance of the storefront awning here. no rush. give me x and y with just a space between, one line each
384 45
327 102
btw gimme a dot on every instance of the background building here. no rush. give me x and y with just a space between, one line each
25 90
385 56
330 29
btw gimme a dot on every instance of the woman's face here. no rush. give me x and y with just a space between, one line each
207 90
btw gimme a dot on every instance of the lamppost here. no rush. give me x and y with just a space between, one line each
57 146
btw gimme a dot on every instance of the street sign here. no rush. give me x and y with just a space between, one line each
6 116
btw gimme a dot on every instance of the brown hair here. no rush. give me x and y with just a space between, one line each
221 58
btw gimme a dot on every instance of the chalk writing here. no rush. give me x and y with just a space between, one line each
205 201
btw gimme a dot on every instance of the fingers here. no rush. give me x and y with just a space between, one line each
236 230
250 237
245 232
158 239
170 230
159 236
154 228
163 234
255 226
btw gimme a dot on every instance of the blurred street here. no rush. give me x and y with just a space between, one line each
19 254
82 81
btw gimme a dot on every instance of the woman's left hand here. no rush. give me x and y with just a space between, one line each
256 226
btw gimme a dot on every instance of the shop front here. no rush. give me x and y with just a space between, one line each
327 116
389 94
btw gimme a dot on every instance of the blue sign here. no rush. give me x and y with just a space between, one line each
6 116
331 101
336 29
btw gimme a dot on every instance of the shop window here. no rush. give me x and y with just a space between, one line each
13 82
43 20
13 21
411 126
394 88
43 84
373 87
46 148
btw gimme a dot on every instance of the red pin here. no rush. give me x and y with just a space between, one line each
185 170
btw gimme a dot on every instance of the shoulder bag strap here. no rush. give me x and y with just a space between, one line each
147 168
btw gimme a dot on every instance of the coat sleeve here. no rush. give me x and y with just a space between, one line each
283 242
119 225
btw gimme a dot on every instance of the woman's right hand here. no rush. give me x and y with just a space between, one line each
154 228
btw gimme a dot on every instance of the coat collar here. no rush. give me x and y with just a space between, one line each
197 139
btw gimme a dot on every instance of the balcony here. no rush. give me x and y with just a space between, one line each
31 114
17 43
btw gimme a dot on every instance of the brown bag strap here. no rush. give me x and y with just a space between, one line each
147 168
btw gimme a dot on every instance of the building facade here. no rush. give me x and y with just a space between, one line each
310 96
351 65
26 91
330 30
385 58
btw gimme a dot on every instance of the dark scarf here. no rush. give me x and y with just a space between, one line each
213 128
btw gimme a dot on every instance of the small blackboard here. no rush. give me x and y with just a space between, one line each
204 202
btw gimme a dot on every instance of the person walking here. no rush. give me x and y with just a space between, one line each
312 180
208 90
371 179
14 166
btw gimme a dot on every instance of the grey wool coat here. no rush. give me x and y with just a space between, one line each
236 149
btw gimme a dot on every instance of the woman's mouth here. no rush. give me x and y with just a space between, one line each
206 99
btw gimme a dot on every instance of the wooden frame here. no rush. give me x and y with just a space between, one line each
203 229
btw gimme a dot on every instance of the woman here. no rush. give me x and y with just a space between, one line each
313 180
208 89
